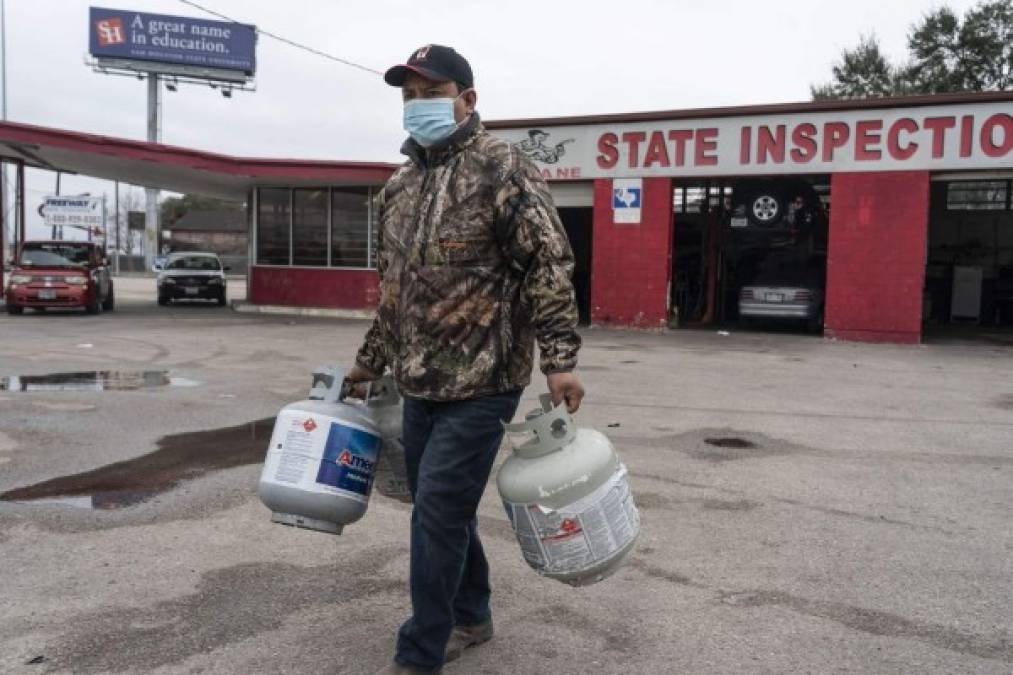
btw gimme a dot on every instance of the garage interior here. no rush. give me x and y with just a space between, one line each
969 266
578 222
742 241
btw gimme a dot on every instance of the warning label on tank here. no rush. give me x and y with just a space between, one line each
579 535
349 459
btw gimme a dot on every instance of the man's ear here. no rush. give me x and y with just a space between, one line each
470 100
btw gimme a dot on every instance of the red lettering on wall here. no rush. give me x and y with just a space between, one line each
988 143
633 139
867 135
770 144
835 135
803 138
575 172
966 135
680 136
893 141
745 145
938 126
657 151
706 143
608 153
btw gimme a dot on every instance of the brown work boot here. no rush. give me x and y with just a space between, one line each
466 636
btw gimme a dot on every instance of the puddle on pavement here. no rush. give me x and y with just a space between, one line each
179 457
94 380
730 442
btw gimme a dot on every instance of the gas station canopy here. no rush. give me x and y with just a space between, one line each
173 168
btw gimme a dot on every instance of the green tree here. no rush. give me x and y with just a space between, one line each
987 47
862 72
935 48
946 53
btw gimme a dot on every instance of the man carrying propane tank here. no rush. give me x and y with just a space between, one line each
475 267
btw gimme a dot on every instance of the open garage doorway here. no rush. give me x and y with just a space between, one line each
578 222
969 267
751 252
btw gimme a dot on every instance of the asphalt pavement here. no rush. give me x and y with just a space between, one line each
808 506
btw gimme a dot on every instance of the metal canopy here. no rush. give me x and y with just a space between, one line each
174 168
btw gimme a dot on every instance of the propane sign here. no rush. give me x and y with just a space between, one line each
942 137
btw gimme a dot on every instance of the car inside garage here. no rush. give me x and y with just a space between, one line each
969 266
751 252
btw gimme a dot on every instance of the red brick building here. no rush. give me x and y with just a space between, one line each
916 192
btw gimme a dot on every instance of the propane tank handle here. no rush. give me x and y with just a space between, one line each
327 384
383 393
552 429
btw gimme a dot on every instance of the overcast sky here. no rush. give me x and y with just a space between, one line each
530 59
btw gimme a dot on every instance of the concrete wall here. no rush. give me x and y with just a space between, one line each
313 287
631 266
876 261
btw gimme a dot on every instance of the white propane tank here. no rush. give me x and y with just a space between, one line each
567 497
391 472
319 467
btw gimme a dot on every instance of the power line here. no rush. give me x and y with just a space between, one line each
292 43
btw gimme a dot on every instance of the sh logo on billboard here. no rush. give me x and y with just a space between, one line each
110 32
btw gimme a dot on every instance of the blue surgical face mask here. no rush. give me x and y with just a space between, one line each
430 120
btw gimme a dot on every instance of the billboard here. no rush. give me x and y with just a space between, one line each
85 213
164 43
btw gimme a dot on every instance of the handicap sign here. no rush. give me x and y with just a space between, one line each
626 197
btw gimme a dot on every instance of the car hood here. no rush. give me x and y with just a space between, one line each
193 273
51 270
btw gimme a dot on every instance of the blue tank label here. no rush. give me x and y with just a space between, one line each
349 459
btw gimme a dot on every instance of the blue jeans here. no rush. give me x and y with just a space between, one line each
449 450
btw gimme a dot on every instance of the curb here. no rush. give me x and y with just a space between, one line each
318 312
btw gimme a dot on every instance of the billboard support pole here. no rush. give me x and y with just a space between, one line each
116 224
3 220
20 189
150 194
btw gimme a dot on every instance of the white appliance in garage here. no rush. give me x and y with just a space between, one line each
966 304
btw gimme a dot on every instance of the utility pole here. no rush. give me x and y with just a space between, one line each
4 198
116 221
151 194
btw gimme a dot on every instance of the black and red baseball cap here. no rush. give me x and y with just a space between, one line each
433 62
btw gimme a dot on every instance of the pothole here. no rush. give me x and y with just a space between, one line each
730 442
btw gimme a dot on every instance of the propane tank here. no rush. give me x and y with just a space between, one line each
391 478
567 497
320 465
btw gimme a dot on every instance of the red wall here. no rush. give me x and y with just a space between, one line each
631 266
876 265
302 287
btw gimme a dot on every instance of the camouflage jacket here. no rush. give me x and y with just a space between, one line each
474 266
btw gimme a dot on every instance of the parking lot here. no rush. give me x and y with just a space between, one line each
808 506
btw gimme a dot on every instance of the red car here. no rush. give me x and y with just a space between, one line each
61 274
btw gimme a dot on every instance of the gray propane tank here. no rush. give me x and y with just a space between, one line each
567 497
391 471
320 465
